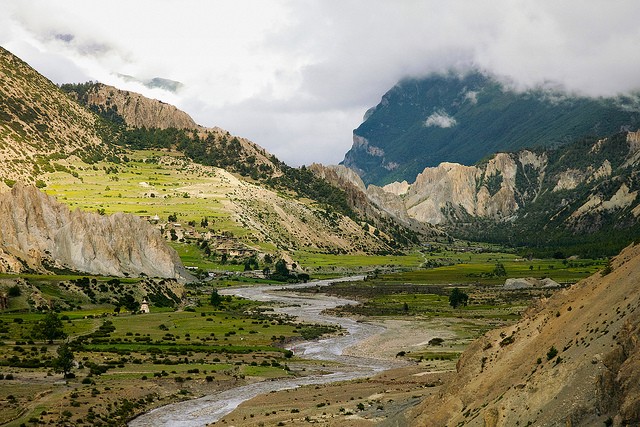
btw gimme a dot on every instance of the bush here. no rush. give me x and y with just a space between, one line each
553 352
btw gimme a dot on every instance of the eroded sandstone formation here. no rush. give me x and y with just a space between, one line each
38 234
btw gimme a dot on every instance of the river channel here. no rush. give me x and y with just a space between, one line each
307 308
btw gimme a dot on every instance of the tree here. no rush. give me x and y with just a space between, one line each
281 268
129 302
499 270
64 362
49 328
457 298
14 291
216 299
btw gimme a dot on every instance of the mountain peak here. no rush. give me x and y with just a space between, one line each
463 118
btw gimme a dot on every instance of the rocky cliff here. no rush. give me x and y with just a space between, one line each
379 206
580 191
38 233
139 111
574 359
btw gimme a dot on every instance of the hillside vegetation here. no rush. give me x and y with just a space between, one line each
39 124
463 118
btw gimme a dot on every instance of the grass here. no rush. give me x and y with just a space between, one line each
130 188
192 256
338 264
183 352
478 269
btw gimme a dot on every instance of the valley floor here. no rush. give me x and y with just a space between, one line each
359 403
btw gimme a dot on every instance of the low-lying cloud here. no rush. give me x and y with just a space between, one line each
296 76
440 119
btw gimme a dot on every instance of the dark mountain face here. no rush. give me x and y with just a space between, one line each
451 118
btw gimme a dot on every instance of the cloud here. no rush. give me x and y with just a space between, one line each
296 76
440 119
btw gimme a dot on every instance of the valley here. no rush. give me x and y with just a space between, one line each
188 348
155 271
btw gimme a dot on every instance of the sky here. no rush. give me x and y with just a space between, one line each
297 76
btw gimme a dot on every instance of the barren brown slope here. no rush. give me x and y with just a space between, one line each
510 377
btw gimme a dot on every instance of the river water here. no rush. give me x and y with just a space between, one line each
307 308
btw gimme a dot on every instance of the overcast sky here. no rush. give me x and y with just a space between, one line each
296 76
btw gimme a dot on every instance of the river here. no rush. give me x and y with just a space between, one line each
308 308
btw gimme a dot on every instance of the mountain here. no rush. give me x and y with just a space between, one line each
40 124
580 197
142 123
155 83
39 234
464 118
386 214
118 151
138 122
573 359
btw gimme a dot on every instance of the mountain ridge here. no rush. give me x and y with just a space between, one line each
582 195
462 118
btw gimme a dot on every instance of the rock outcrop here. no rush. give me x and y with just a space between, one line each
453 191
39 234
376 203
574 359
140 111
530 282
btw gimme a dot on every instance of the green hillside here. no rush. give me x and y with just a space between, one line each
448 118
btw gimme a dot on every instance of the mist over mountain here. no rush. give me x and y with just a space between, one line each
463 118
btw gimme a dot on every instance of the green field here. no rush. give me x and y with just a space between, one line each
479 270
176 353
145 186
